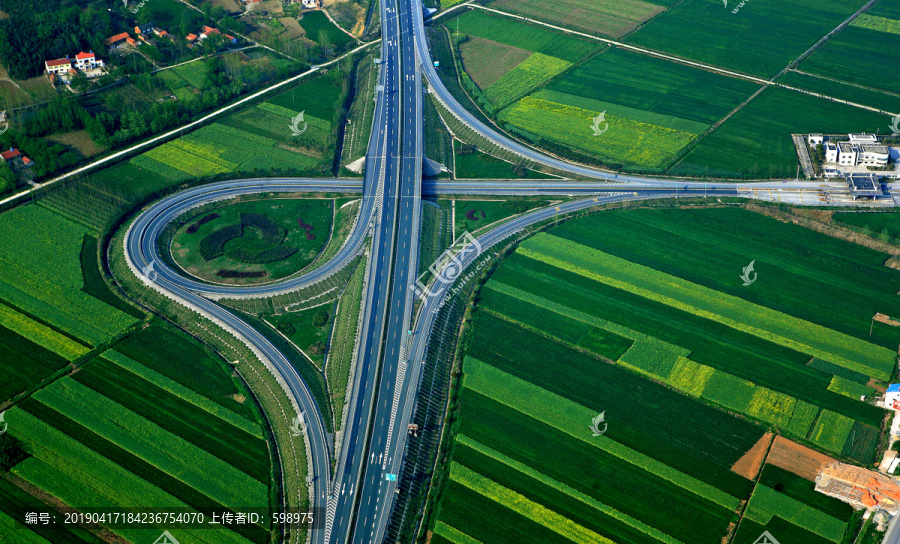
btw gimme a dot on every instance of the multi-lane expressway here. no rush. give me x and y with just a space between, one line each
357 498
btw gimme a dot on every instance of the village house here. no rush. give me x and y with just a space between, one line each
58 66
146 28
208 31
117 41
15 159
87 61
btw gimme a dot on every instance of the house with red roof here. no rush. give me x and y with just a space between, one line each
58 66
15 159
87 61
208 31
118 40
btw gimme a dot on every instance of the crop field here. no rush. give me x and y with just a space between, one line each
526 446
625 141
523 36
42 281
193 73
217 149
613 19
653 108
486 61
525 77
25 362
856 94
875 223
122 433
550 350
789 381
318 97
734 148
825 286
160 350
781 329
672 95
872 42
786 504
13 501
709 32
251 241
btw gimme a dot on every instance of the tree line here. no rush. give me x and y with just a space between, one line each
29 38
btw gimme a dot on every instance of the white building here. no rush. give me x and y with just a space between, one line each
874 155
863 138
87 61
58 66
861 150
892 397
815 139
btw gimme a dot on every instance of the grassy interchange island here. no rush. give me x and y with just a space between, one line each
260 240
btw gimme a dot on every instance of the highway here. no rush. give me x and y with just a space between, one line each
385 449
357 491
359 495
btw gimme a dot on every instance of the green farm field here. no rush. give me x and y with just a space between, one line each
523 36
486 61
761 39
654 108
613 19
878 224
253 241
122 433
786 504
756 141
867 96
553 345
871 43
42 279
